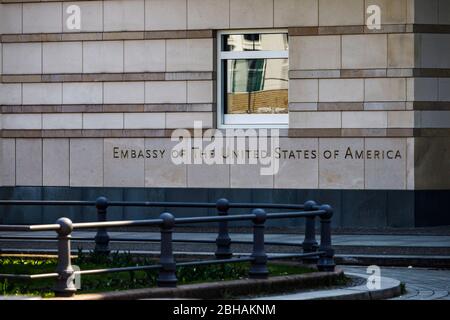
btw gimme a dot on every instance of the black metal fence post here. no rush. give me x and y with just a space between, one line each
223 240
326 260
258 269
167 274
65 282
309 243
102 236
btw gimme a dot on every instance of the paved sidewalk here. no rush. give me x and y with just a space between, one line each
421 284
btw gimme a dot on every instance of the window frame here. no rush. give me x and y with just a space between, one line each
246 120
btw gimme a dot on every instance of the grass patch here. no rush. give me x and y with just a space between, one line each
123 280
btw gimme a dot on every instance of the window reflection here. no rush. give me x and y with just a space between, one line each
255 42
256 86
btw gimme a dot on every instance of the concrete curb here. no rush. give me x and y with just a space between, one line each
390 288
394 260
219 290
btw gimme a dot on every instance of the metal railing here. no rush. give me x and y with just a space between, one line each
322 254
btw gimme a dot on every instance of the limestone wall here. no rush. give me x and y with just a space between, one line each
139 68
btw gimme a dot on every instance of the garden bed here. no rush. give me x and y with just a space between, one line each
129 280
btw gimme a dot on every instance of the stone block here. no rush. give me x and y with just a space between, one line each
22 121
165 92
10 93
385 89
393 11
124 162
145 56
42 93
8 162
185 120
315 52
56 162
92 16
123 92
251 13
341 12
364 119
82 93
314 120
426 11
339 167
426 89
208 14
401 119
62 57
200 92
299 164
62 121
296 13
45 17
304 90
364 51
103 121
341 90
28 162
151 120
123 15
189 55
435 119
106 56
160 171
22 58
86 162
401 51
10 18
165 15
388 170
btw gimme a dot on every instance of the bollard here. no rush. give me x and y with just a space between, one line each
102 236
167 274
223 240
65 282
326 260
309 243
258 269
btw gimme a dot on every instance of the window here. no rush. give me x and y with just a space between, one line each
253 78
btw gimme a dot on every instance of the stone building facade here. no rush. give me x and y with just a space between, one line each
371 106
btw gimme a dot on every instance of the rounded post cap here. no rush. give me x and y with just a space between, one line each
168 220
101 203
222 204
328 211
310 205
260 216
66 226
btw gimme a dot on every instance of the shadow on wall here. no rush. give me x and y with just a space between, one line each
353 208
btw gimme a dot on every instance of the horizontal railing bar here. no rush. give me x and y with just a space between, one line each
273 243
47 203
294 255
150 204
124 223
28 276
247 217
211 262
152 222
37 227
115 270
